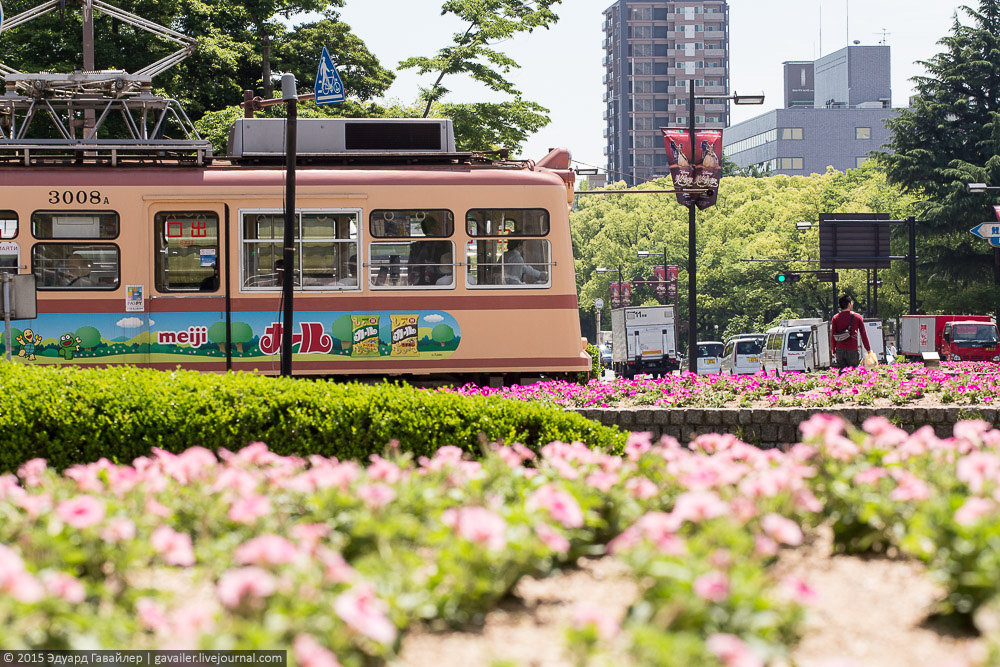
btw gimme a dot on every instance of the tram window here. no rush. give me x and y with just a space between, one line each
187 251
507 222
325 255
412 264
74 225
511 263
410 224
8 224
76 266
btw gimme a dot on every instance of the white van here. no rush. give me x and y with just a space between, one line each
709 357
743 354
798 345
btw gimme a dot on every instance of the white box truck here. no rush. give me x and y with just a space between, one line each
644 340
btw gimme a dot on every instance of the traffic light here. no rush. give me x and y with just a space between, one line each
786 277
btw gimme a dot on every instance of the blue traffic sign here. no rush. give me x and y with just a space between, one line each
329 88
989 231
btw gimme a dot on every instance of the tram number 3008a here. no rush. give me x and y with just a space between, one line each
78 197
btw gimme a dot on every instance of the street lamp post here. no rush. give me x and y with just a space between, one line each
692 262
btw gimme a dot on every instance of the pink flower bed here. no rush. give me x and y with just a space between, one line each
335 560
963 383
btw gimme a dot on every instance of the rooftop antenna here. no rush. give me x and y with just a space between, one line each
885 35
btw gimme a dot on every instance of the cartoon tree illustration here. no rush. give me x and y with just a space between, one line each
342 331
442 334
217 335
90 337
242 334
14 333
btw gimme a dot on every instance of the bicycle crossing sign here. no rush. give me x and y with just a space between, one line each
989 231
329 88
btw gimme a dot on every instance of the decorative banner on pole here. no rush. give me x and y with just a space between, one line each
660 277
626 294
672 273
708 172
329 88
678 145
616 299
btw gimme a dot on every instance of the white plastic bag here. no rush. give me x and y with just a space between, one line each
870 361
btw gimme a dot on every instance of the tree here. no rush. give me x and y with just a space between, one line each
472 53
951 137
442 334
242 334
89 337
217 335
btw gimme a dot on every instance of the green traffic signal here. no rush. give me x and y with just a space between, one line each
783 278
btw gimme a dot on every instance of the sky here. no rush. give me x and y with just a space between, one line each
561 68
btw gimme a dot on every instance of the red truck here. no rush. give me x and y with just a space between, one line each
953 337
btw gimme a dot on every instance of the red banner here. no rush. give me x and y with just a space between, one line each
626 294
700 168
672 283
708 169
679 158
996 210
616 300
660 276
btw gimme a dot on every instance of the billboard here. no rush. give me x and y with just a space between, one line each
699 166
854 241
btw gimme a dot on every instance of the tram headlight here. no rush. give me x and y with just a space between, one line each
955 357
996 358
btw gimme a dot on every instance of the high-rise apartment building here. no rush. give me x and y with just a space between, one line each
652 48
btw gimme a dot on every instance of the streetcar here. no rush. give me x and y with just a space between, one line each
411 258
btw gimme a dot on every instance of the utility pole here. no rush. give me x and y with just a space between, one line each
290 97
89 119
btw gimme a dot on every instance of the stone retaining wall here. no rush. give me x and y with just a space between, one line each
769 427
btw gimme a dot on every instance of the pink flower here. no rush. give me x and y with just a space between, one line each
176 548
976 468
974 509
265 550
118 529
376 495
479 525
335 568
602 481
364 613
560 505
712 586
192 620
65 586
248 510
156 508
799 591
243 583
641 488
309 534
81 511
15 580
733 651
585 615
31 472
782 530
638 444
383 470
151 614
309 653
551 538
34 504
697 506
870 476
822 426
805 500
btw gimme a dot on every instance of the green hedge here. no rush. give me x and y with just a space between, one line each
76 415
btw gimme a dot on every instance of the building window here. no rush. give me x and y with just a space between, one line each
187 251
790 163
642 86
862 133
642 50
859 162
642 32
791 133
751 142
644 141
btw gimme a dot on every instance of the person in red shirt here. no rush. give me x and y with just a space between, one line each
844 328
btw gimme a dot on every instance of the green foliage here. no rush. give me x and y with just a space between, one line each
951 137
73 415
596 370
753 219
